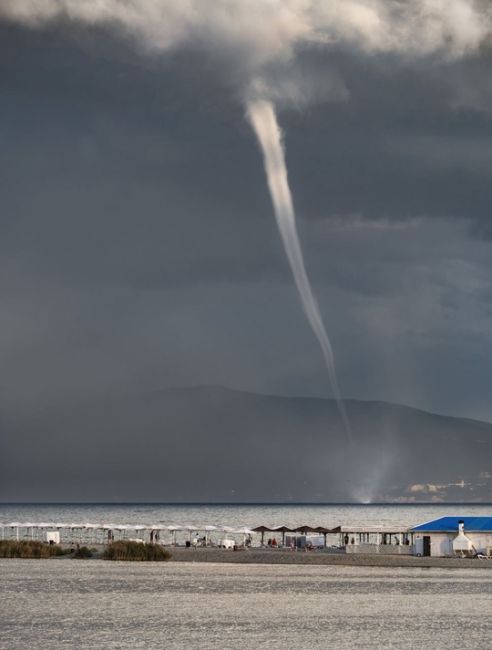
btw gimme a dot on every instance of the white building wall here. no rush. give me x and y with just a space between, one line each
442 543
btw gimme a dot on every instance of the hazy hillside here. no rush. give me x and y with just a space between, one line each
218 444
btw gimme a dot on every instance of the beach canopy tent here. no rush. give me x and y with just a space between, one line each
283 530
272 529
262 530
306 529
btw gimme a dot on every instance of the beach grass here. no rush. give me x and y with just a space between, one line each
83 553
29 549
135 552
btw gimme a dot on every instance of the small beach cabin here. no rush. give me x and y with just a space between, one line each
454 536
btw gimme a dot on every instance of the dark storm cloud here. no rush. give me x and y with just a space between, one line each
138 249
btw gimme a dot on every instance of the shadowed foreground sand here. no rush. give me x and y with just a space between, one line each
63 604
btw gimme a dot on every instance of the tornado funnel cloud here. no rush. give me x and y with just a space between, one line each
261 114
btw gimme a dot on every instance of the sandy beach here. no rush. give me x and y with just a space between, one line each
281 556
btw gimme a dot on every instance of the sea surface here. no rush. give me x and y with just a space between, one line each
233 515
93 604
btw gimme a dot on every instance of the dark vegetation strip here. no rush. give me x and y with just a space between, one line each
135 552
33 550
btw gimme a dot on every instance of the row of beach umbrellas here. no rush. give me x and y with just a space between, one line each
184 527
138 528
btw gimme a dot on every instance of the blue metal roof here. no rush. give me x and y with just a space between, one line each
450 525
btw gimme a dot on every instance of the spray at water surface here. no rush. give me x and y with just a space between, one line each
263 119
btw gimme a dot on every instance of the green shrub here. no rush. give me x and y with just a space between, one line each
135 552
82 553
26 549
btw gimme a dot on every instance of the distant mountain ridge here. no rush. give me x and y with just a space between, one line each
218 444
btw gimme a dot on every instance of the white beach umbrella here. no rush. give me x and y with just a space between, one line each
91 529
60 527
172 529
190 529
243 531
121 528
28 525
74 526
16 525
209 529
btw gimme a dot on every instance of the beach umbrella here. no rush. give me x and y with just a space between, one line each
16 525
28 525
244 531
228 529
138 528
154 528
91 529
208 530
122 528
306 529
60 527
172 529
74 526
324 531
262 530
109 528
283 530
190 529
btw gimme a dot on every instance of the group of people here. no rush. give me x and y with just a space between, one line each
272 543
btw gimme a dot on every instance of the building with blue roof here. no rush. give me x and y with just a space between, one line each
451 536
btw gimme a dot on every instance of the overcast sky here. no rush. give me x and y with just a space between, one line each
138 248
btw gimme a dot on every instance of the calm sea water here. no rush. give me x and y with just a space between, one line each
236 515
59 604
